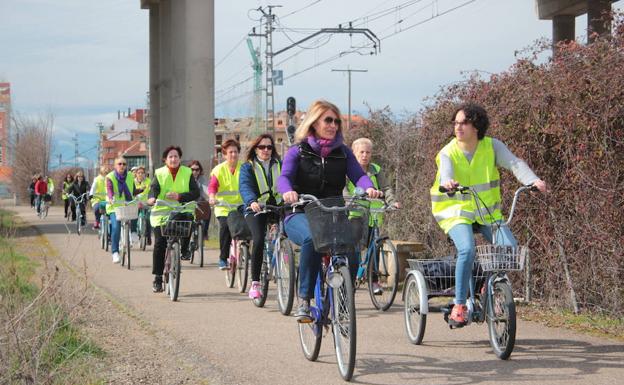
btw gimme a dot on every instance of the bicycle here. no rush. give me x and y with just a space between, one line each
491 297
104 230
79 204
173 230
197 238
238 260
44 206
127 212
381 263
334 302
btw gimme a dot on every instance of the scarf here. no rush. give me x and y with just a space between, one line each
173 171
123 187
325 146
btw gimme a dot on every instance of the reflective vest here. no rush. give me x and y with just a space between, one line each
481 174
263 182
99 191
50 186
373 205
145 186
180 185
110 208
228 188
66 184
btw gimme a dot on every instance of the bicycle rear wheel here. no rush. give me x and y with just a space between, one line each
78 220
344 325
107 240
310 336
174 272
230 272
415 321
242 267
501 320
200 243
384 270
285 272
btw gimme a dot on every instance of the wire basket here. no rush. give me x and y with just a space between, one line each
332 231
126 213
439 274
502 258
178 229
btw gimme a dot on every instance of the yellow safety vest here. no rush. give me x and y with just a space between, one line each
65 185
373 205
100 190
110 208
180 185
262 180
481 174
145 186
50 183
228 188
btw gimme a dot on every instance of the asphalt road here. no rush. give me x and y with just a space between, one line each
224 332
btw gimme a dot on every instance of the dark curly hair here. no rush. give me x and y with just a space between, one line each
476 115
169 148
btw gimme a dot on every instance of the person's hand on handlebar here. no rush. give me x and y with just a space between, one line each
290 197
255 207
450 184
540 185
373 193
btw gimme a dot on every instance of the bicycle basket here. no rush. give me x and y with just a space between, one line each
439 274
127 213
237 225
332 231
176 228
501 258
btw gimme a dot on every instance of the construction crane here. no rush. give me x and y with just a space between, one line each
257 67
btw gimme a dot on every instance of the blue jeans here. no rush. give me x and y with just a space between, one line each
464 241
298 231
96 210
115 226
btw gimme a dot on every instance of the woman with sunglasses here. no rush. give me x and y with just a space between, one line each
258 184
319 165
202 183
119 187
175 183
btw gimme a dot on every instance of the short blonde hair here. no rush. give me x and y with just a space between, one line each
315 111
362 142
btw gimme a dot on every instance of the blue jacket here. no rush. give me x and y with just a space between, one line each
247 185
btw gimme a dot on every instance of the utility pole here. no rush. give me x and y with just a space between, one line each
100 127
349 70
60 156
76 153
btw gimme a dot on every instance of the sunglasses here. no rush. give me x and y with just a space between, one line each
264 147
194 169
330 120
121 164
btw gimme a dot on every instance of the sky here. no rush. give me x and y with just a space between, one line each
84 60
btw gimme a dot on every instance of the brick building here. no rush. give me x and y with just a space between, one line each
128 136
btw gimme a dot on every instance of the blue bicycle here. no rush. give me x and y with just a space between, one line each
333 304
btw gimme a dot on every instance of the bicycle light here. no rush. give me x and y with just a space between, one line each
335 280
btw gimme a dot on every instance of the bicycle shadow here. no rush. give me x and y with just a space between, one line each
533 360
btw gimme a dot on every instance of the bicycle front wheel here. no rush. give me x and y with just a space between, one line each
242 267
344 325
142 231
174 272
501 320
230 272
285 271
383 276
415 321
78 222
310 336
264 280
107 240
128 245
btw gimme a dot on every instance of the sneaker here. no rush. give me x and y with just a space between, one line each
458 317
116 258
303 314
223 264
186 256
96 226
134 238
254 292
157 286
149 241
377 290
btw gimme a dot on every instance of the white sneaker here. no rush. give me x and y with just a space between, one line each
134 238
116 258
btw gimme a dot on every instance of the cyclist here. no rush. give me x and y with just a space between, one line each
258 184
79 187
202 183
98 195
362 149
119 187
174 183
223 186
50 183
31 191
472 159
41 189
141 191
317 165
69 180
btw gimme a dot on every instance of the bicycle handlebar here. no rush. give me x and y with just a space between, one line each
78 199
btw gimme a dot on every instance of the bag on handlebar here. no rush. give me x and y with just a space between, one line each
237 225
203 211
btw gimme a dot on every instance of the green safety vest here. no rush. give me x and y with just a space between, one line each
66 184
481 174
99 191
228 188
373 205
262 180
180 185
110 208
145 186
50 183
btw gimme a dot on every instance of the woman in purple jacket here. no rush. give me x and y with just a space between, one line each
317 165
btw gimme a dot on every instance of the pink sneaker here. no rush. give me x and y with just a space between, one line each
254 292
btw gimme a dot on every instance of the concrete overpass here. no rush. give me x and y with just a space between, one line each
181 77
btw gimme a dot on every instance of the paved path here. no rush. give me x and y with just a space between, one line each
242 344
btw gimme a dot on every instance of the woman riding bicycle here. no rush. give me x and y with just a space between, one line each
69 180
79 187
317 165
224 187
119 187
174 183
258 184
141 191
98 195
472 159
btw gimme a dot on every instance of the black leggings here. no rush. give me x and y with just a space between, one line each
257 225
224 238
